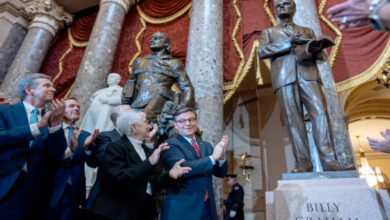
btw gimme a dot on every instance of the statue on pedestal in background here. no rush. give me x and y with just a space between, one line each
293 51
150 86
98 113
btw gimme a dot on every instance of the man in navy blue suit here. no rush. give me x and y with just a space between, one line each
29 141
196 200
69 184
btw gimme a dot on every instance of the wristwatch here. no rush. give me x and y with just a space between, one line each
374 14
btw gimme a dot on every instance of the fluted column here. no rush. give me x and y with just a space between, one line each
204 67
47 18
306 16
99 55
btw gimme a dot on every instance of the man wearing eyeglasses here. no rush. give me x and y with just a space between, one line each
196 200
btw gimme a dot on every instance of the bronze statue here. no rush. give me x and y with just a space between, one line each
149 86
293 51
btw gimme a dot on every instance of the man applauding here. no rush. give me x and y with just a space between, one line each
130 177
29 140
196 200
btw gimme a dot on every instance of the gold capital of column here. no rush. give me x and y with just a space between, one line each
126 4
48 15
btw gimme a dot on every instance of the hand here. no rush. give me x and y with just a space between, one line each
153 159
44 122
232 213
297 40
220 148
152 133
74 143
57 111
355 10
177 170
381 145
91 138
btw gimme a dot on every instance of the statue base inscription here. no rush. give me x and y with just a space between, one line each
327 199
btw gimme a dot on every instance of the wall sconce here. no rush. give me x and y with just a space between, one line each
246 170
385 78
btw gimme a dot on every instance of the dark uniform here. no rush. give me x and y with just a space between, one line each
235 202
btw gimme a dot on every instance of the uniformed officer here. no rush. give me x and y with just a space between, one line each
235 200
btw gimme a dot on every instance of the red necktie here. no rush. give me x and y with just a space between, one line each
196 148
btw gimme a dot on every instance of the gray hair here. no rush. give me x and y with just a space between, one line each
115 112
28 80
128 118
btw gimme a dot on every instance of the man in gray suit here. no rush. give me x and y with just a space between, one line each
293 51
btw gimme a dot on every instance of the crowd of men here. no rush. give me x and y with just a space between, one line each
42 156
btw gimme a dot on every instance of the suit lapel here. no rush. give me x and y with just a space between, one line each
21 112
202 148
188 147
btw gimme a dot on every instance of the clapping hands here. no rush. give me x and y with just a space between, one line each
220 149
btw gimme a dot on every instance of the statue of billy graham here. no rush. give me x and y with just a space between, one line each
293 51
152 78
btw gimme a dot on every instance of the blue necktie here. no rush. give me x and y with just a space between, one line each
70 134
34 119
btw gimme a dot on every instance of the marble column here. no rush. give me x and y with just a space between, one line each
204 67
47 18
10 47
306 15
99 54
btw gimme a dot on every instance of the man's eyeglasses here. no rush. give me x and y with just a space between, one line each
183 121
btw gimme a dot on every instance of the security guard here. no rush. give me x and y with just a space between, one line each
235 200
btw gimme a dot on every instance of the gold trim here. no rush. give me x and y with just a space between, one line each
166 19
75 42
363 77
60 64
269 13
137 44
69 91
230 85
339 35
248 66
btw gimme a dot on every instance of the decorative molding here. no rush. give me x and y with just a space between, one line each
48 15
126 4
13 12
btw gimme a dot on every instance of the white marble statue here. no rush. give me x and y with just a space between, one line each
98 113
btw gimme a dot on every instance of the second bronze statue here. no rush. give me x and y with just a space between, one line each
150 85
293 51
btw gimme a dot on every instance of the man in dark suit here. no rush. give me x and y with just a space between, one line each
69 184
196 200
129 175
235 201
293 51
102 140
29 140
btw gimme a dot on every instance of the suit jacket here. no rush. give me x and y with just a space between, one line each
124 181
72 167
187 203
287 61
15 136
101 142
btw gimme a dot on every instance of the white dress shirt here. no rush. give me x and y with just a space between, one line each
141 153
33 127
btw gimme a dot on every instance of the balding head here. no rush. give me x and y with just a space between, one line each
116 111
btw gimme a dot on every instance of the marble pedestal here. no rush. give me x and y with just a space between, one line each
327 199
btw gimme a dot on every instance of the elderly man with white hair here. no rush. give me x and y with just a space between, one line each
130 177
